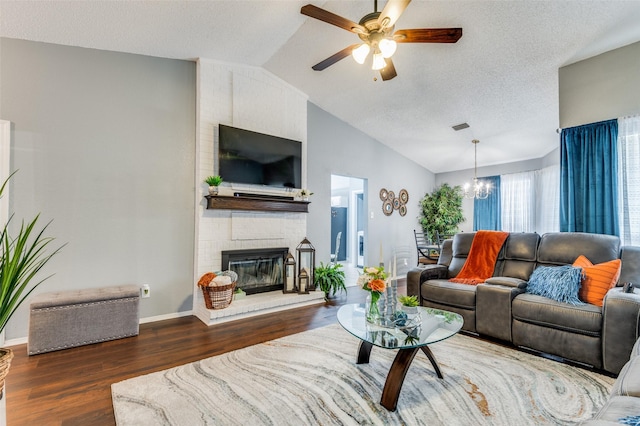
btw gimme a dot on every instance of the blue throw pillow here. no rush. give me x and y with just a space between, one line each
560 283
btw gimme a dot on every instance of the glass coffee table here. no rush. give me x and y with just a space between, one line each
435 325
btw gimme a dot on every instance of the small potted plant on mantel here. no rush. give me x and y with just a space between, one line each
213 182
330 279
304 194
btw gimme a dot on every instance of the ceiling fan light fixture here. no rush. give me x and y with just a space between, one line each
378 61
387 47
360 53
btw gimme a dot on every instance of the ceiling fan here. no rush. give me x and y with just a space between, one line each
376 30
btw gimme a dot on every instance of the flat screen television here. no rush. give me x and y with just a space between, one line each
255 158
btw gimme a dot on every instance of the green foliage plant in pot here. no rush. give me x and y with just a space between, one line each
409 304
441 211
22 256
330 279
213 182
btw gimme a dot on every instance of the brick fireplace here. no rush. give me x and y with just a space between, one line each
254 99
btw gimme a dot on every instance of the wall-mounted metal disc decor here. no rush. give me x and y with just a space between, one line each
391 203
404 196
387 207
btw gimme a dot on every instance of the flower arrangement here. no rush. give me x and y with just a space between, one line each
374 281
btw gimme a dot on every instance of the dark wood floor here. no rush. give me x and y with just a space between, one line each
72 387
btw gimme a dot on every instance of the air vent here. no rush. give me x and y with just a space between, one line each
460 126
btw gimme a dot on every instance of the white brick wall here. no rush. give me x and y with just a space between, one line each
252 99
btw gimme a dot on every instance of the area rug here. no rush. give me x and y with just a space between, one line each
312 378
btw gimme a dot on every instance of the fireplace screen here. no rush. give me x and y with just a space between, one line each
259 270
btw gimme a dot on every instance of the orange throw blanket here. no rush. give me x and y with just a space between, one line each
482 257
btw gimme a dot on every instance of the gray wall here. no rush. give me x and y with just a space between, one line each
335 147
105 145
604 87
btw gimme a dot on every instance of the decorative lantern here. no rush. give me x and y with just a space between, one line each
303 282
289 274
307 259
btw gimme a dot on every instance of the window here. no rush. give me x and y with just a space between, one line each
530 201
629 179
517 193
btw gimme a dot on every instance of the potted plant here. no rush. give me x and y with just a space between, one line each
213 182
409 304
305 194
441 211
330 278
22 256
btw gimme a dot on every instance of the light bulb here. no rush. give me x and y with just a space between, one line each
360 53
378 61
387 47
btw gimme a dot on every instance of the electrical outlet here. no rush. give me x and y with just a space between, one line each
146 291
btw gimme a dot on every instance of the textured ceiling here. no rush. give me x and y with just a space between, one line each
501 77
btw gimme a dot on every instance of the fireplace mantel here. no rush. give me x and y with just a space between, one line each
222 202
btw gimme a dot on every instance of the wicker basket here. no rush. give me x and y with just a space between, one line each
6 355
219 297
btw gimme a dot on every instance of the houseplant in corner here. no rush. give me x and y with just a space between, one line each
441 211
330 279
213 182
22 256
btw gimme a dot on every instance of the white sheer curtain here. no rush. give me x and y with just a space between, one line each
629 179
518 202
548 199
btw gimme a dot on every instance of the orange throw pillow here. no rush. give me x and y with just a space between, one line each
597 279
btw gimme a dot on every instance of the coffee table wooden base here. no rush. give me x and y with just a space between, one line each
397 372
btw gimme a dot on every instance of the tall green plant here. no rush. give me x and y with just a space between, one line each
21 258
441 211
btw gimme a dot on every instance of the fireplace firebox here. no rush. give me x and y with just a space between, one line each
259 270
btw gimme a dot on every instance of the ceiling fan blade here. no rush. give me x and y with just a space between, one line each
334 58
389 71
332 18
391 12
428 35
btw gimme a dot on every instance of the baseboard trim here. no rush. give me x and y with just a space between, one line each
166 317
24 340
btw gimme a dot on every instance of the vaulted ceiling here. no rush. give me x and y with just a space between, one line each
501 77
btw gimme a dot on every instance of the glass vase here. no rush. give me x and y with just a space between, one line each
372 309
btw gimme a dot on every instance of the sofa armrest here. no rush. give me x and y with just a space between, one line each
620 327
416 276
507 282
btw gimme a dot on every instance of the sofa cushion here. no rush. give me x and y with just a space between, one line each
597 279
560 283
582 319
448 293
563 248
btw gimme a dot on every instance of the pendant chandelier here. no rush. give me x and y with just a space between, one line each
478 189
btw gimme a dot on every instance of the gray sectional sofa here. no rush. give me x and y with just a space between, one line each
601 337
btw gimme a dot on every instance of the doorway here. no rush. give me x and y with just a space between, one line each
348 224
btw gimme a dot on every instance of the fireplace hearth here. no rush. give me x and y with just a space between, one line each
259 270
